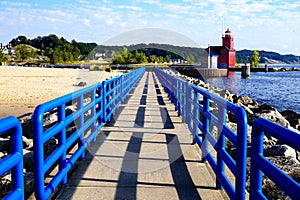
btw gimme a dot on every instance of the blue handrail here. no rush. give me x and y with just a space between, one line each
186 98
260 165
112 96
14 161
94 105
91 107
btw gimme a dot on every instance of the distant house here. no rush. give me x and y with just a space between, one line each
100 56
7 49
178 61
209 60
225 54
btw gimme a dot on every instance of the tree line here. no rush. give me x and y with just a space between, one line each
57 50
147 55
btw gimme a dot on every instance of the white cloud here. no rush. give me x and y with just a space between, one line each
135 8
110 21
144 22
15 4
123 24
148 1
199 19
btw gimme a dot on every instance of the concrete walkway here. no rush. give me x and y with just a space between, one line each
145 153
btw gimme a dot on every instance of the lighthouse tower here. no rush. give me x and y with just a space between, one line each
228 51
228 40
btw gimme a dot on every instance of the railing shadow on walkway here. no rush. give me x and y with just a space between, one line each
128 182
83 165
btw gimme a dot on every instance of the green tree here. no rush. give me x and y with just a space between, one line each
168 58
2 56
254 61
139 57
153 58
24 52
190 59
160 59
127 56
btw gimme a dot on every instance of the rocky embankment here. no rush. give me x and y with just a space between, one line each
283 156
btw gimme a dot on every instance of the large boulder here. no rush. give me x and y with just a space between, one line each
28 161
280 150
26 123
292 117
244 100
268 112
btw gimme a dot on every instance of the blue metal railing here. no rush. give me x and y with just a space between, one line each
95 105
14 161
260 165
88 109
112 90
198 116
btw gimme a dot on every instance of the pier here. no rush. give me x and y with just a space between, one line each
144 135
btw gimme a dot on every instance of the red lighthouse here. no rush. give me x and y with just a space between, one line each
226 52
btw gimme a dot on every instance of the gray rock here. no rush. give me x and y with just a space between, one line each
26 123
276 117
244 100
280 150
4 145
2 155
292 117
50 146
28 160
28 184
82 84
5 185
27 143
272 115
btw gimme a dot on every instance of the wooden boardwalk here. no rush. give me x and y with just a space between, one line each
144 153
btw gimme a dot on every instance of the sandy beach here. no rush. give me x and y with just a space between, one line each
23 88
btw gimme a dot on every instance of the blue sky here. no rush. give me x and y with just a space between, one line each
272 25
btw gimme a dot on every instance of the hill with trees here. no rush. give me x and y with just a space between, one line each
57 50
166 51
267 57
54 49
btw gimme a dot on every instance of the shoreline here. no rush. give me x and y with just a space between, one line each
24 88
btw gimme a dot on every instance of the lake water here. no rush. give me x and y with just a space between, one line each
278 89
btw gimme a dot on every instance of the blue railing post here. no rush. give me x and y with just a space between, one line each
177 103
38 152
62 141
104 101
80 101
241 152
93 112
120 92
256 174
195 114
220 144
184 101
205 122
14 161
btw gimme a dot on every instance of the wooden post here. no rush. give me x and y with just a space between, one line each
245 71
266 68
